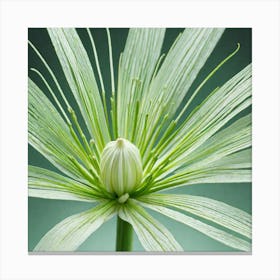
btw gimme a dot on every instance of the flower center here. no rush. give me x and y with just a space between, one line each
121 167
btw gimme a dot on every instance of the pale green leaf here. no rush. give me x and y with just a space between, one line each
43 183
210 209
80 76
213 232
70 233
152 235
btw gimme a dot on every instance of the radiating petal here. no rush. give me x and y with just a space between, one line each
183 63
70 233
215 233
152 235
216 111
210 209
174 78
50 135
222 152
80 76
136 68
217 174
230 140
43 183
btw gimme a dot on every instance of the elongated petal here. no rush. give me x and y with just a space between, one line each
136 68
223 151
218 174
152 235
79 74
217 110
213 210
48 184
230 140
175 76
183 62
50 135
70 233
215 233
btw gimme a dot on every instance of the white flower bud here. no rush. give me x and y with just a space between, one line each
121 166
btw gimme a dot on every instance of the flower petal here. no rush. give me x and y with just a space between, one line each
223 151
210 209
230 140
183 63
47 184
136 68
215 112
152 235
174 78
215 233
80 76
70 233
50 135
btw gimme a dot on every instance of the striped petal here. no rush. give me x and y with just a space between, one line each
173 80
226 151
47 184
210 209
50 135
70 233
136 68
80 76
214 113
213 232
152 235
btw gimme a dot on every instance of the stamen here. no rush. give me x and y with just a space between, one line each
206 79
50 71
52 93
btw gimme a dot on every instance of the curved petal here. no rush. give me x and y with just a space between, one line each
43 183
136 68
230 140
80 76
183 63
212 210
152 235
215 112
51 136
222 152
215 233
174 78
70 233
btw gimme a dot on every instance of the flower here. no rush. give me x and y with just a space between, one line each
141 143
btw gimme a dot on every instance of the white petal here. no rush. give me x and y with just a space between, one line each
70 233
210 209
80 76
48 184
152 235
215 233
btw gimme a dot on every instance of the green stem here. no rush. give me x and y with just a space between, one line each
124 236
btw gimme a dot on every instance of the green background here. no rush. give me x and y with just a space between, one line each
44 214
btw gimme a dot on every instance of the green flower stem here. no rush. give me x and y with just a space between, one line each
124 236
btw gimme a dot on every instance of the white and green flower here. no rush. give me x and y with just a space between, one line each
143 143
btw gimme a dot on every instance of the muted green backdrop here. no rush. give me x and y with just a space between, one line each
44 214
